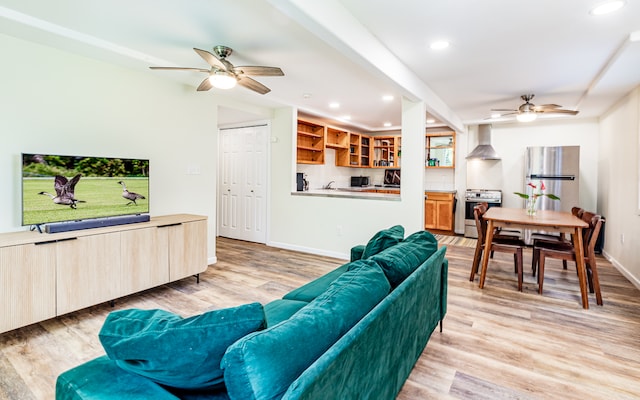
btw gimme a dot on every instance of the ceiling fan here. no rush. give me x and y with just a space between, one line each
224 75
528 111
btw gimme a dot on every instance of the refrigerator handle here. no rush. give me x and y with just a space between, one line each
554 177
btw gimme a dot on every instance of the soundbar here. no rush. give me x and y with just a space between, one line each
95 223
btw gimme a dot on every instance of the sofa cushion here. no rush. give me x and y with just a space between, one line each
401 260
281 309
316 287
383 240
263 364
174 351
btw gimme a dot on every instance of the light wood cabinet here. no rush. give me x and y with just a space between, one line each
438 211
310 143
28 284
440 149
87 271
365 151
187 248
385 151
46 275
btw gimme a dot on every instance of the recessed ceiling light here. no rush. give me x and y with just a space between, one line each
496 115
439 45
387 97
347 117
607 7
387 124
306 95
430 120
334 105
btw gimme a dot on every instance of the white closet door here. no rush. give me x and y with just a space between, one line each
242 183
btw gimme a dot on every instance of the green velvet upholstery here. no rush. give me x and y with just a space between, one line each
175 351
102 379
383 240
316 287
281 310
356 252
373 360
263 364
401 260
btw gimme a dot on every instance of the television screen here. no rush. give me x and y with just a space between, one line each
57 188
392 177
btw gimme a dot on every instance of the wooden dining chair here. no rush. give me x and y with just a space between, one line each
539 238
565 251
505 244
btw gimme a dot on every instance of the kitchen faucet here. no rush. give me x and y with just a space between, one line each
328 185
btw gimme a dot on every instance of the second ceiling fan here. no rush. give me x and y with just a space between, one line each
529 111
225 75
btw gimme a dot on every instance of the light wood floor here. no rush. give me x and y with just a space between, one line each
497 343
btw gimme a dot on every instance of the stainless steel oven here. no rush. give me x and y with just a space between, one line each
472 198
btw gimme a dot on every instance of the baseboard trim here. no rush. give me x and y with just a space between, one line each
304 249
635 281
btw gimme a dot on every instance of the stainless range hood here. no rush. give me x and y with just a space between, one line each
484 150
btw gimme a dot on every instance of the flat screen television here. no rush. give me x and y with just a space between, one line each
392 177
59 188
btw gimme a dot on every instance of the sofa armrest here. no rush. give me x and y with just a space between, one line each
356 252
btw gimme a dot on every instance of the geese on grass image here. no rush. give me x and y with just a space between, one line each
64 191
131 196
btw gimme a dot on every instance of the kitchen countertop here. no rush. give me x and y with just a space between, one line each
441 191
351 193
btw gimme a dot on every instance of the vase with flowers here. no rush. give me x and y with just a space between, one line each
537 191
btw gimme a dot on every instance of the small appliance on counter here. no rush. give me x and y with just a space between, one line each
301 182
359 181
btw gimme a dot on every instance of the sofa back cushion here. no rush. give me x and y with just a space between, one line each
399 261
174 351
383 240
263 364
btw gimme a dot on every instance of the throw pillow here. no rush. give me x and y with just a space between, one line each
383 240
399 261
174 351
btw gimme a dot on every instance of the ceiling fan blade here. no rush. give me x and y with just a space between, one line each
559 111
204 85
259 71
504 109
211 59
546 107
253 85
181 69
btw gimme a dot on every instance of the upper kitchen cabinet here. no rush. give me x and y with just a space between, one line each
386 150
440 149
310 146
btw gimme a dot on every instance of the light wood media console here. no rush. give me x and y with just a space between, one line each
46 275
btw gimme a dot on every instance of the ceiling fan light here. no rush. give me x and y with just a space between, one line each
222 80
526 117
607 7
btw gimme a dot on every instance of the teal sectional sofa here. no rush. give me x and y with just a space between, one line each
354 333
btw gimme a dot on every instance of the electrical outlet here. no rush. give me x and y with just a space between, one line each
339 229
622 238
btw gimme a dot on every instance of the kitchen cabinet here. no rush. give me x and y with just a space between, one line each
365 151
46 275
385 151
440 149
310 143
438 211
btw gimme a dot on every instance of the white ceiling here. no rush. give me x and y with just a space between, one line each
355 51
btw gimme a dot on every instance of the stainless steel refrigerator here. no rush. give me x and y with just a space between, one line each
559 168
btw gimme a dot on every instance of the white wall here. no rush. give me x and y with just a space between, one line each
57 102
618 165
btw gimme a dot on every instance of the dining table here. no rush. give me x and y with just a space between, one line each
543 220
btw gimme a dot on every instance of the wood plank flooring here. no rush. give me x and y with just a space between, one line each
497 343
